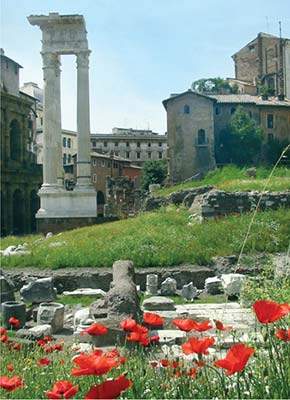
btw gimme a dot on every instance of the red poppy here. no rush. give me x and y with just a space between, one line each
10 384
200 364
43 361
141 338
186 325
202 326
90 364
154 364
152 319
176 364
17 346
95 329
14 322
10 367
199 346
113 353
3 338
109 389
62 389
283 334
51 349
3 331
192 372
219 326
43 341
140 329
128 324
154 338
123 360
269 311
164 362
236 358
58 347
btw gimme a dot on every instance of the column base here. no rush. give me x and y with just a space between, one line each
57 225
59 203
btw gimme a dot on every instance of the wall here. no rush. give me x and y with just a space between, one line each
9 75
281 127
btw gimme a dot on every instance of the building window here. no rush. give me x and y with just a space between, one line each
94 162
186 109
69 143
160 154
64 159
217 111
94 178
160 144
233 110
115 165
105 144
138 144
270 121
127 144
109 164
116 153
128 154
149 144
252 48
270 137
94 143
138 154
149 154
201 136
69 159
64 142
41 121
103 163
116 144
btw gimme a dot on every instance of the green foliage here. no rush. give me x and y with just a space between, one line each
273 151
154 171
241 142
213 85
266 90
158 239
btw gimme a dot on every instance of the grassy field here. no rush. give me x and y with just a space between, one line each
158 239
233 178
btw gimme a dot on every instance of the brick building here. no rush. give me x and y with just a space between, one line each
21 177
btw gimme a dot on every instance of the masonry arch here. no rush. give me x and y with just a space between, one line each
18 212
201 139
15 140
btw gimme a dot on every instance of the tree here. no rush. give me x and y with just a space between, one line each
241 142
154 171
213 85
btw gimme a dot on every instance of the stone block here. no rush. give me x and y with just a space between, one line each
52 314
232 283
168 287
38 291
189 291
213 285
156 303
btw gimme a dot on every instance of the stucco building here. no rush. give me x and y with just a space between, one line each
21 177
135 145
265 61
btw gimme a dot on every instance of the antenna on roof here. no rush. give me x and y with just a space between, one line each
280 29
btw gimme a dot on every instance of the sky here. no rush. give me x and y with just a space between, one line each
142 50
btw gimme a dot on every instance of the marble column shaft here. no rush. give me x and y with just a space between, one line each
83 121
52 120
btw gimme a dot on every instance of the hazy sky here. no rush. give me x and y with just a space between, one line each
141 50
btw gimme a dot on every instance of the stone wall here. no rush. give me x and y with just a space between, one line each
122 200
219 203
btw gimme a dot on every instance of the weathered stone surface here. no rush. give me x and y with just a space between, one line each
15 251
251 172
168 336
35 333
38 291
232 283
52 314
81 316
85 292
189 291
168 287
213 285
153 187
152 284
122 298
156 303
6 289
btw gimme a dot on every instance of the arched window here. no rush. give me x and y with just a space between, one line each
271 83
186 109
69 159
201 137
64 142
69 143
15 140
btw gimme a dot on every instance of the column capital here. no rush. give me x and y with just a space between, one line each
83 58
51 61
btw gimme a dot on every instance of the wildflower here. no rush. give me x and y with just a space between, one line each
269 311
91 364
152 319
192 372
200 364
140 329
17 346
283 334
186 325
64 388
154 364
164 362
141 338
128 325
219 326
10 367
199 346
43 361
154 338
236 358
3 331
10 384
109 389
95 329
14 322
202 326
3 338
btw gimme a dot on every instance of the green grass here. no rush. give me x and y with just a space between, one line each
159 239
233 178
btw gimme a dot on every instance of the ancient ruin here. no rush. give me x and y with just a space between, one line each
62 35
